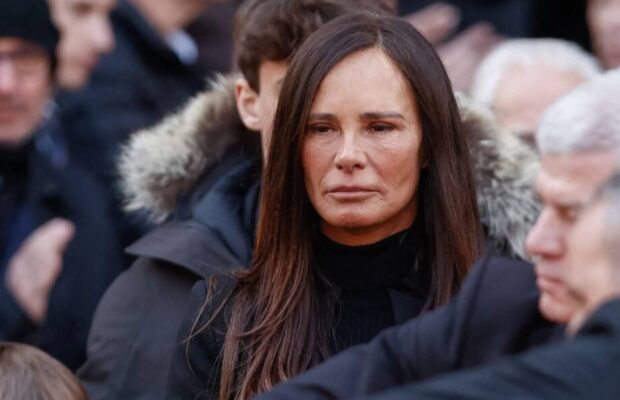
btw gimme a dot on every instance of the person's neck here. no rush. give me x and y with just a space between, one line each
590 305
169 16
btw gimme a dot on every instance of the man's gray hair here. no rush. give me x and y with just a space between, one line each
586 119
555 53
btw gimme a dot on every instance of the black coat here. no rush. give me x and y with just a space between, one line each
495 313
55 187
135 326
584 368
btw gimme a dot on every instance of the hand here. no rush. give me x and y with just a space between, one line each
435 22
35 267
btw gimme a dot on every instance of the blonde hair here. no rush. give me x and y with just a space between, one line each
27 373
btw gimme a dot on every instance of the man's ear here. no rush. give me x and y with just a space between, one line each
247 105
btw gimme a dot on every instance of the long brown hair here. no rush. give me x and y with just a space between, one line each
276 328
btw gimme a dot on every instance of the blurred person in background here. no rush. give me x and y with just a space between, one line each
464 31
520 78
58 249
151 71
27 373
604 25
85 36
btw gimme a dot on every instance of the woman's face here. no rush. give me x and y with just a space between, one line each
362 150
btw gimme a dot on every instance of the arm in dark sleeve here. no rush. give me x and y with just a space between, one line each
195 367
584 368
425 346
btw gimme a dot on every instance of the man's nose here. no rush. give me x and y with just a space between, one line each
8 76
545 237
350 153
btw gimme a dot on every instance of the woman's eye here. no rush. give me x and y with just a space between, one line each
320 129
381 128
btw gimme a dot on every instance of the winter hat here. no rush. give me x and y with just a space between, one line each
29 20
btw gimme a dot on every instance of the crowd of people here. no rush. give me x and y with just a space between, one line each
313 199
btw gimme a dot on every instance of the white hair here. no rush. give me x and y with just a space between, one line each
586 119
555 53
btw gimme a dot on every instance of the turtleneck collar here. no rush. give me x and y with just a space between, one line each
391 263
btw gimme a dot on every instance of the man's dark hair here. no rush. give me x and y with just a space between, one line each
272 30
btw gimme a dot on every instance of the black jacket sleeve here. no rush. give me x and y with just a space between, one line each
14 324
195 367
584 368
494 313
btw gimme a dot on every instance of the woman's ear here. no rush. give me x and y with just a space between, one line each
247 105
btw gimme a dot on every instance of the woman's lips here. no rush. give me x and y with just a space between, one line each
350 193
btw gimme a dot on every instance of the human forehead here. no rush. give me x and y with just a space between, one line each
366 77
572 178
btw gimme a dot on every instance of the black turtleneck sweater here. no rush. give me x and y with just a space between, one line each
364 278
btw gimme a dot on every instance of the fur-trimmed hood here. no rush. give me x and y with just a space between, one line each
160 164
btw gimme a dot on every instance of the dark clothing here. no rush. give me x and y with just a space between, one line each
46 186
383 290
495 313
134 331
586 367
365 277
136 85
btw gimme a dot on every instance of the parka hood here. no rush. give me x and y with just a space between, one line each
161 164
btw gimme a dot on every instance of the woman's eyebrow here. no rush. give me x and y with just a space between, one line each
322 117
381 115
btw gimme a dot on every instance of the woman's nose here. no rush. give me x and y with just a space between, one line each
351 154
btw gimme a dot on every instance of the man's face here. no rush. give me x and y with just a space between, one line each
257 110
589 274
25 89
565 184
526 91
604 24
86 35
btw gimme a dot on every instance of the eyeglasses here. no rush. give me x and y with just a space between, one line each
26 60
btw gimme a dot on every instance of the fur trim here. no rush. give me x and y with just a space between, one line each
505 169
159 164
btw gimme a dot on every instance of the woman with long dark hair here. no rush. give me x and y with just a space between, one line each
367 213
